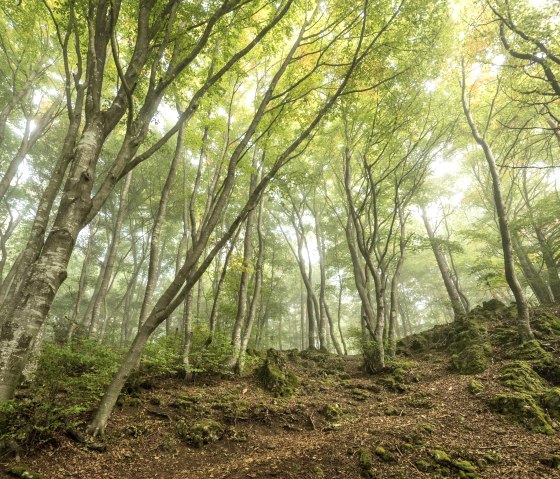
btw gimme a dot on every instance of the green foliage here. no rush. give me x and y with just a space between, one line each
211 358
68 383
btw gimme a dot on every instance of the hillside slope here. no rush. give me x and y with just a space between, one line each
418 419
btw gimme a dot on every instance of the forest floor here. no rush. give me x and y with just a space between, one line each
341 423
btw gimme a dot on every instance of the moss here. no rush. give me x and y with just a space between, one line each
550 400
470 346
463 465
552 461
384 455
331 411
200 433
276 378
390 411
475 387
546 325
392 383
420 401
360 394
550 370
441 457
521 377
522 408
366 463
531 351
423 466
493 305
22 472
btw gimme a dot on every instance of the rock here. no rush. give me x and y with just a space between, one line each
531 351
366 463
22 472
523 409
384 455
470 346
441 457
493 305
200 433
550 400
475 387
276 378
331 411
521 377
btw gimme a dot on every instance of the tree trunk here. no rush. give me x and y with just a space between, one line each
159 220
533 277
74 319
446 275
255 300
523 323
107 269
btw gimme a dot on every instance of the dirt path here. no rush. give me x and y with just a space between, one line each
319 433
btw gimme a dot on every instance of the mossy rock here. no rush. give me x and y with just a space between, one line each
384 455
546 325
276 378
531 351
471 360
550 370
366 463
475 387
391 383
331 411
523 409
199 433
22 472
521 377
441 457
493 305
550 400
420 401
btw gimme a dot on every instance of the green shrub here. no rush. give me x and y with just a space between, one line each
68 383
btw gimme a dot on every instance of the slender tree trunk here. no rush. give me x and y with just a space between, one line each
82 285
255 300
219 285
445 271
159 220
241 315
524 326
111 257
534 279
187 336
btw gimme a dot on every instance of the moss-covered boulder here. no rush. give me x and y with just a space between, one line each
523 409
275 376
550 370
471 360
546 324
470 346
199 433
531 351
384 454
520 376
550 400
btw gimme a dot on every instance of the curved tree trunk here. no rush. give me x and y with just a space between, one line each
523 323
